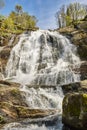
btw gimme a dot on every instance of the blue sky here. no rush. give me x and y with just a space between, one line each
44 10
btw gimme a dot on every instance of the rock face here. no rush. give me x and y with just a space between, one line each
77 37
13 106
75 87
5 50
83 70
9 97
75 110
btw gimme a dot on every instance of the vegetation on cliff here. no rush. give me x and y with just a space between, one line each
74 23
17 22
71 15
77 37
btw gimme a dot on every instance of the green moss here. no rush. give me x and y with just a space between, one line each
74 111
82 51
5 105
22 111
1 119
71 105
15 92
84 102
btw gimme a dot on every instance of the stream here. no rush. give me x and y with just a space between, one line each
42 58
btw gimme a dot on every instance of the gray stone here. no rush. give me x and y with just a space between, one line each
75 110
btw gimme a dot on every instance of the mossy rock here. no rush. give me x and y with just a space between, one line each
15 92
75 110
84 102
2 119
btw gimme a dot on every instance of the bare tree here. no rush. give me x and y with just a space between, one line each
71 14
2 3
61 17
19 9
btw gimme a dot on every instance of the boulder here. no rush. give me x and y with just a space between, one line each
75 110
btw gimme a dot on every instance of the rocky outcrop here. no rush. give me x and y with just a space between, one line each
9 97
83 70
83 85
75 105
13 106
9 39
77 37
80 40
4 40
4 55
75 87
1 76
72 87
75 110
5 51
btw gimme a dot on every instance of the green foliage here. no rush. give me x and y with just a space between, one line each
13 16
1 119
15 92
2 17
17 22
68 20
8 24
73 13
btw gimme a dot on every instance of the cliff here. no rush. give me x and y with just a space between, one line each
78 36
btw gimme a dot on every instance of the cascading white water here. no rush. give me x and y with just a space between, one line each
42 61
43 58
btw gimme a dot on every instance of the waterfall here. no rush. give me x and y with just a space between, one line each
41 62
43 58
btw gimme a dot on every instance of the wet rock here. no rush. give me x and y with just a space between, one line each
4 55
42 66
4 40
9 97
42 40
83 85
41 86
78 37
72 87
13 106
75 87
2 119
25 112
83 70
1 76
75 110
5 51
